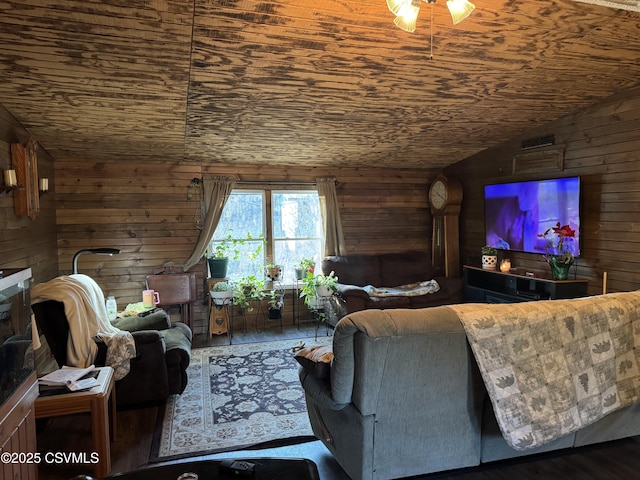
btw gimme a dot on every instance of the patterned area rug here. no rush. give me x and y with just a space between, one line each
237 396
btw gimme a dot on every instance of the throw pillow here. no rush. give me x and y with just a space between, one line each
316 360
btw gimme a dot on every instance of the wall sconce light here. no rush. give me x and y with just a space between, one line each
43 185
24 161
10 181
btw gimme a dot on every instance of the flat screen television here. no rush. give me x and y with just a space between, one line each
516 213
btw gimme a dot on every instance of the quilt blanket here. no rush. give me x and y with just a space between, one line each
409 290
553 367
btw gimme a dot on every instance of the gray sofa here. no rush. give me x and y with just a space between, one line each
405 397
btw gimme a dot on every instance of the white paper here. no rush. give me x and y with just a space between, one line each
65 375
82 384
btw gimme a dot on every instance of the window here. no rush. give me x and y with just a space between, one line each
276 226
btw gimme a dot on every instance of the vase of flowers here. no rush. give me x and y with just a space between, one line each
559 250
559 270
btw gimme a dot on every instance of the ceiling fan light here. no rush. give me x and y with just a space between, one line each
407 16
459 9
396 5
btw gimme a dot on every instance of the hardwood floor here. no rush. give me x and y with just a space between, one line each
619 460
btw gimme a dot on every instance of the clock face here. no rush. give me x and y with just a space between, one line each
438 194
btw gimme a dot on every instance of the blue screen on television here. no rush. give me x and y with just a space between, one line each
516 213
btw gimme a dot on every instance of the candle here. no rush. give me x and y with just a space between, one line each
44 184
505 265
604 283
10 178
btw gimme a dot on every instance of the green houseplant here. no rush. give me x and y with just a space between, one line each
246 290
219 253
489 257
273 272
305 266
316 288
221 293
276 302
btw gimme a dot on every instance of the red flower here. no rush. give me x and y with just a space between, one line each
565 230
561 249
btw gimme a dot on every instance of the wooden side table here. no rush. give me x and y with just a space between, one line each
218 314
219 319
94 401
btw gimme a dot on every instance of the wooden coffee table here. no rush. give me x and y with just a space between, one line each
94 401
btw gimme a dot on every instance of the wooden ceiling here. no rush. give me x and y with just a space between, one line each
322 82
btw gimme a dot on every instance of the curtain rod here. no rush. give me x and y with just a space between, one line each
257 182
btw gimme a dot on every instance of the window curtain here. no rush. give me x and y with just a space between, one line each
334 238
216 191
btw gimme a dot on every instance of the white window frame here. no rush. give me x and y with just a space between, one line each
268 220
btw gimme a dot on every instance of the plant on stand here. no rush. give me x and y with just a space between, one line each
276 302
218 255
273 273
221 293
306 266
247 290
559 248
317 288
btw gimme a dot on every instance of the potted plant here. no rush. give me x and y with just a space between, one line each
489 257
276 302
306 265
273 272
326 285
221 293
316 288
218 255
246 290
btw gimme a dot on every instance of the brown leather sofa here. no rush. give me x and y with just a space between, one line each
389 270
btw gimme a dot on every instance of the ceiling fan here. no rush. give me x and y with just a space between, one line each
406 11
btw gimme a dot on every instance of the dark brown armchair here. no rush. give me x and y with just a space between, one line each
163 352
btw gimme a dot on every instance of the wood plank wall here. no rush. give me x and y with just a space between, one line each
142 208
25 242
602 146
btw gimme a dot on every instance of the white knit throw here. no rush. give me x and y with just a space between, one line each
85 310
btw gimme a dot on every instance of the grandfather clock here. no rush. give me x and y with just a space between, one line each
445 198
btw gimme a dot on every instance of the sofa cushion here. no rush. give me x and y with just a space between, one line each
385 303
404 268
358 270
316 360
440 297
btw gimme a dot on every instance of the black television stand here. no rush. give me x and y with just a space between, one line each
492 286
